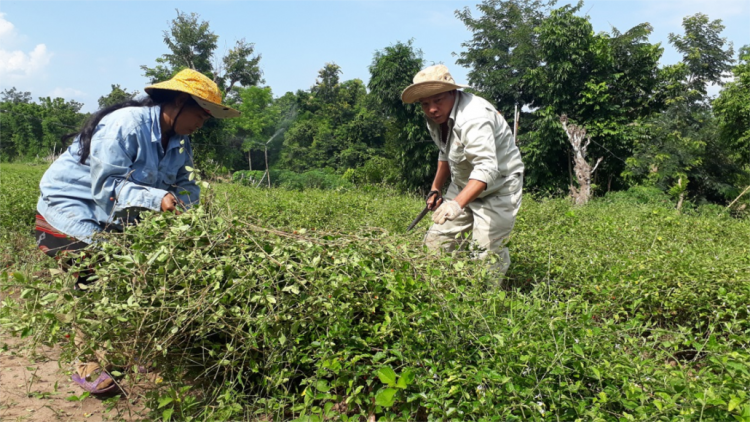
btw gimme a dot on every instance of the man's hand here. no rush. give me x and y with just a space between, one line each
170 203
448 211
434 199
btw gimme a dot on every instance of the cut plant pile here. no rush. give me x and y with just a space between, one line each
615 311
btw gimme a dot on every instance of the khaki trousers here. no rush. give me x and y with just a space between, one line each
489 220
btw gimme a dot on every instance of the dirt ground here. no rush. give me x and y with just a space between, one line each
36 386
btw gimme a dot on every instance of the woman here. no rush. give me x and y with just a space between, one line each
127 158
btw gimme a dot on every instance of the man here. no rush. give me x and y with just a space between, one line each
478 152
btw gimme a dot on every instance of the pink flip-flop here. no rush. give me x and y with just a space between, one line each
102 385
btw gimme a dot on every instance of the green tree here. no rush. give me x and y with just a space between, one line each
12 95
326 86
566 45
407 140
335 129
241 67
59 117
504 47
732 108
192 44
116 96
256 124
706 55
21 132
34 129
682 146
604 82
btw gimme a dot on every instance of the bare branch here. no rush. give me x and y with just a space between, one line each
597 164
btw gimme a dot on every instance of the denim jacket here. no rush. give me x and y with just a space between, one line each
127 170
479 146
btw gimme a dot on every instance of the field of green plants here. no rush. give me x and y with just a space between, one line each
315 305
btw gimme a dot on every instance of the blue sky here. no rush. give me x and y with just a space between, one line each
77 49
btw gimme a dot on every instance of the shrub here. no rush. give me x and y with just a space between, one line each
312 324
275 304
376 171
19 191
640 195
313 179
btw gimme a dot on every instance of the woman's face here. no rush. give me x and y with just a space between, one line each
191 118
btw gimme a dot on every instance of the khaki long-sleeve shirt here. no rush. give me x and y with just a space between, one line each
479 146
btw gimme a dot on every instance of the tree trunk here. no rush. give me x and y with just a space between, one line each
583 170
682 195
570 169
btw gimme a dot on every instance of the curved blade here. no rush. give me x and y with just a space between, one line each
418 219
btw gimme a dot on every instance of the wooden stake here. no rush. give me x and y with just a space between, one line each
267 172
735 199
515 124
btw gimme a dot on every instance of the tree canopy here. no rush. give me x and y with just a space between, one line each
116 96
653 124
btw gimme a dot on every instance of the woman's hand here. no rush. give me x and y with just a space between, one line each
170 203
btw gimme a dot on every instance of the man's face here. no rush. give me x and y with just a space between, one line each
438 107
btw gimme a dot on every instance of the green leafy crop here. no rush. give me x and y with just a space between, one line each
315 305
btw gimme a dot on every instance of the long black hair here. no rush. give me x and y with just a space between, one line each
155 97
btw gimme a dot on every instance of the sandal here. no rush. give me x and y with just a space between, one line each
101 385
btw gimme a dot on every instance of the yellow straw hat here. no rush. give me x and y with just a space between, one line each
203 90
428 82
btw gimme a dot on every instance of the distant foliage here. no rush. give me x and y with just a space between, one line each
685 142
641 195
255 128
732 108
313 179
33 130
376 171
335 126
503 49
192 44
116 96
13 95
654 125
407 139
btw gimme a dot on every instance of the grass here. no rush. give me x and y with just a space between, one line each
317 305
19 190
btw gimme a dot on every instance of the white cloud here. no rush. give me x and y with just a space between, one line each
67 93
7 29
20 64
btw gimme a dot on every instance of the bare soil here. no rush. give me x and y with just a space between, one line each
35 385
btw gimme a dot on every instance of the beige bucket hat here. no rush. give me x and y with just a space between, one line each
203 90
430 81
